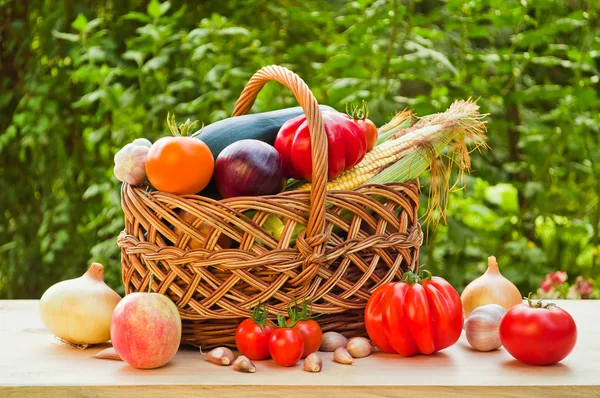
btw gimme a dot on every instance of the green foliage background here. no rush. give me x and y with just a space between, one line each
80 78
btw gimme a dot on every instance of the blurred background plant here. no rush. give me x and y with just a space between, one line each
80 78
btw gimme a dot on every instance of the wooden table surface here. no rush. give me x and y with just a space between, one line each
34 363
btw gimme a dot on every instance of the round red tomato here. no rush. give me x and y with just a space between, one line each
286 346
370 131
252 335
346 145
538 334
359 115
415 316
311 335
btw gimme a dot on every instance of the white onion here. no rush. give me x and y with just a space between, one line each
79 310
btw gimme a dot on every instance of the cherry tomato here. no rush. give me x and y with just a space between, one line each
538 334
370 131
286 346
252 335
415 316
180 165
311 335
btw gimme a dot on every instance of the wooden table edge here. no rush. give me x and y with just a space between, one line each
295 391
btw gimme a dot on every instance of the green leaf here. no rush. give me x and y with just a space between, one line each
137 16
164 7
154 9
65 36
504 195
136 56
234 31
80 23
181 85
423 52
201 51
155 63
93 24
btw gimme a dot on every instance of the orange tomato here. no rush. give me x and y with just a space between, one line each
204 229
179 165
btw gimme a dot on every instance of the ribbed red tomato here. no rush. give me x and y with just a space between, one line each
346 143
415 316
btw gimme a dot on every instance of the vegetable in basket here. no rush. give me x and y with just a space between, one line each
359 115
180 164
130 162
345 141
258 126
407 153
249 168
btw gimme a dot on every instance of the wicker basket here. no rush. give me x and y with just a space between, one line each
354 242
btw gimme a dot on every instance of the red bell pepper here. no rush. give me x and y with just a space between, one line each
346 145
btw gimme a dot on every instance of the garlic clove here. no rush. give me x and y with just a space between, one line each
341 355
482 327
108 353
331 341
313 363
359 347
221 356
243 364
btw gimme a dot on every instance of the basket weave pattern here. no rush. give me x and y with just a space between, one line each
354 241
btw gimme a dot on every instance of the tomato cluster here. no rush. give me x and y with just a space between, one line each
292 339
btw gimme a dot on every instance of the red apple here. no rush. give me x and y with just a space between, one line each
146 330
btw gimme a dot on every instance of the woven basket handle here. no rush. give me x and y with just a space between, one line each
318 138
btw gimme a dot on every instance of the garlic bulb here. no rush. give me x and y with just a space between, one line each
79 310
490 288
482 327
130 162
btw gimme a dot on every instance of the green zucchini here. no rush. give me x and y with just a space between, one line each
259 126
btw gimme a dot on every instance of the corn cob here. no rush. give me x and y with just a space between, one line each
381 157
410 152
